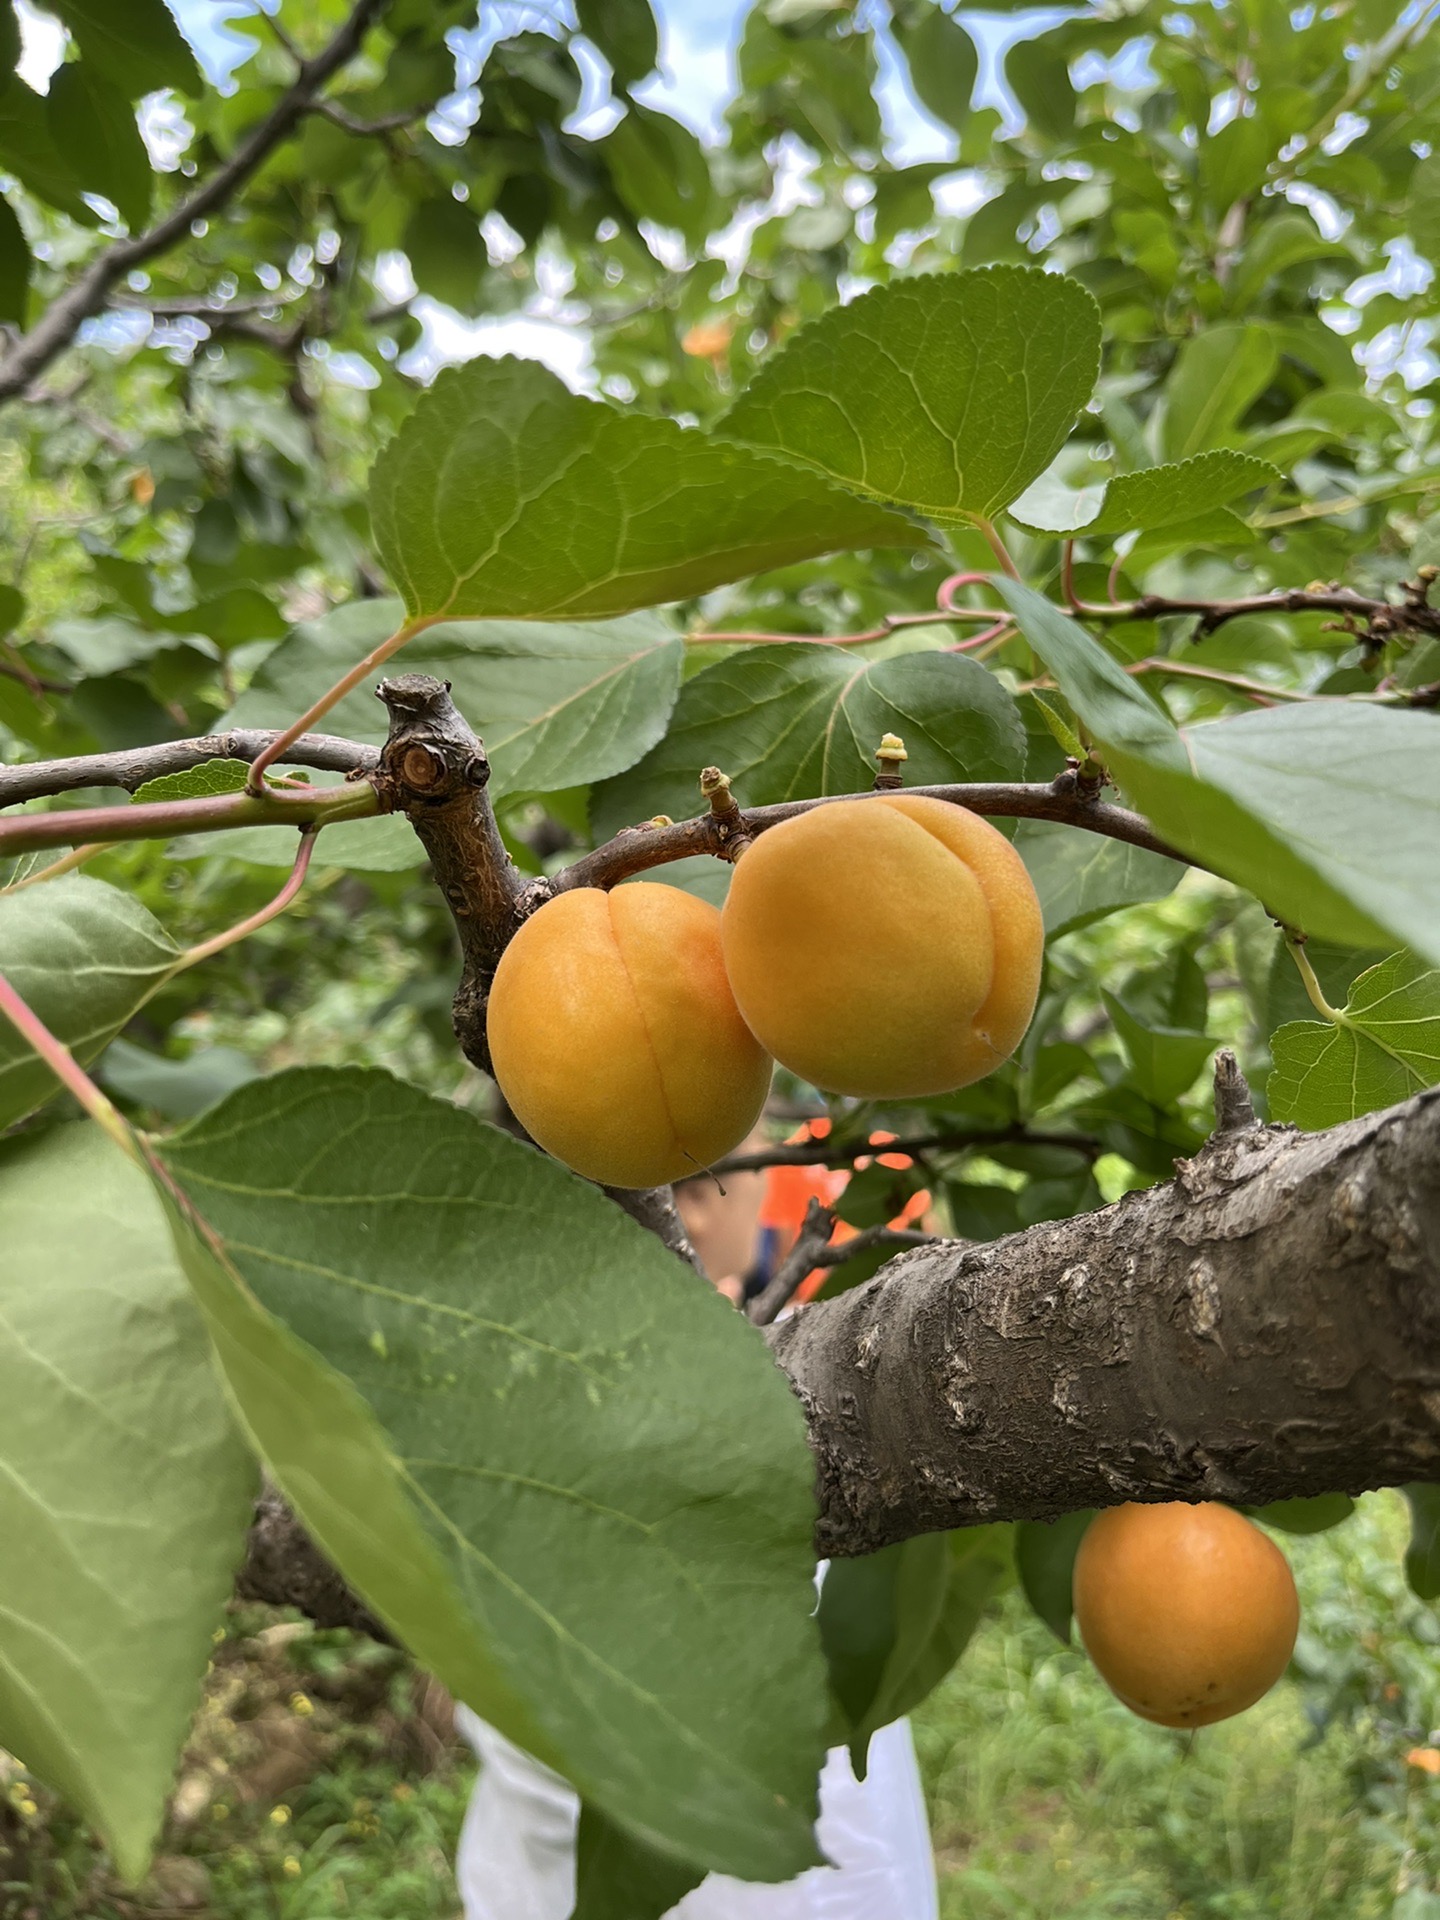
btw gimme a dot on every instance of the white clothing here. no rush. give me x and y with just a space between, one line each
517 1849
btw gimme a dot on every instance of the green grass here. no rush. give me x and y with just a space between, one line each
323 1783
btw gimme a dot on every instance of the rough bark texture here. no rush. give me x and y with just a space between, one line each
131 767
1264 1326
284 1568
434 770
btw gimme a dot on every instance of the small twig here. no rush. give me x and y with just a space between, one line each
891 623
998 548
1295 947
825 1153
810 1242
67 863
729 827
308 837
1234 1106
366 129
318 709
890 757
165 819
15 669
65 1067
655 1209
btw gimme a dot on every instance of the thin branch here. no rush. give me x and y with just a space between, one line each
782 1286
242 928
825 1153
366 129
132 767
638 849
891 623
1381 618
67 863
318 709
165 819
87 293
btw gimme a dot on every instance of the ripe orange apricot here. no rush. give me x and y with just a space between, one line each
616 1039
1189 1612
886 947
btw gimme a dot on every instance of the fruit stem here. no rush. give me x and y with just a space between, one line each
892 756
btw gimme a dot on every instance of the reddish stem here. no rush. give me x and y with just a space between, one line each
287 893
65 1067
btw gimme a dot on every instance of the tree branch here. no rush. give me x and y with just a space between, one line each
35 780
1381 619
1065 799
825 1153
87 293
1263 1327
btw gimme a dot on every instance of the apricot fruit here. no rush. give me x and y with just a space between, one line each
1189 1612
616 1039
886 947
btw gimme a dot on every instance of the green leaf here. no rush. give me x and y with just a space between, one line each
1384 1046
1082 877
1283 242
1045 1561
946 393
12 608
93 124
491 1397
1316 1515
661 173
1328 812
135 42
1215 379
557 705
447 252
625 32
1164 1061
1424 201
506 494
127 1488
943 65
1422 1556
195 783
85 957
28 151
619 1878
894 1623
1039 74
15 266
787 722
1155 497
179 1089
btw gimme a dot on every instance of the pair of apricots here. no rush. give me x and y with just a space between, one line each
888 948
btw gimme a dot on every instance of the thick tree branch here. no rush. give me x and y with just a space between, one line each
1263 1327
87 293
34 780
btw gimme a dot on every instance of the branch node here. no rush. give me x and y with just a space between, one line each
729 827
892 756
1234 1104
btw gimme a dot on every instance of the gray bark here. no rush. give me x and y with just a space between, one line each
1264 1326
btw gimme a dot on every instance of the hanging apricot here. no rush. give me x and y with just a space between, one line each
616 1039
888 947
1189 1612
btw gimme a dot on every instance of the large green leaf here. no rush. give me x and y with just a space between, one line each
1045 1561
947 393
1080 877
1422 1556
1328 812
493 1400
556 705
15 265
1215 379
942 62
619 1878
894 1623
661 173
135 42
93 124
1154 497
791 721
1164 1060
29 152
504 494
86 957
1382 1047
124 1486
625 32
